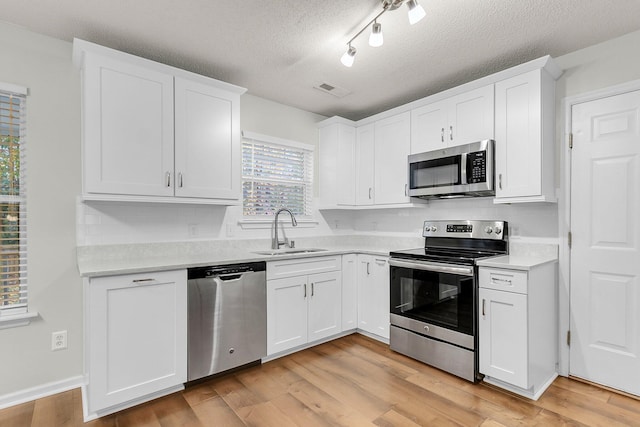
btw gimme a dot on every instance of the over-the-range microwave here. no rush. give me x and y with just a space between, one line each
460 171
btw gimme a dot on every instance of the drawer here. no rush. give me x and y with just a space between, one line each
503 279
302 266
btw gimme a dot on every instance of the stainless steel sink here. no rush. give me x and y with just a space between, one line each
275 252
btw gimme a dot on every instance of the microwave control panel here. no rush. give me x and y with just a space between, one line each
477 167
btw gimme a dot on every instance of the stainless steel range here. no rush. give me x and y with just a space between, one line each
434 293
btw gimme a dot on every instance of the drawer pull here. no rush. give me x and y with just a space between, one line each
495 279
143 280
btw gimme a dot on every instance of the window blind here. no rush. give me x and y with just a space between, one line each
276 175
13 192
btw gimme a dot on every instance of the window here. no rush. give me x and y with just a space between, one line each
276 174
13 226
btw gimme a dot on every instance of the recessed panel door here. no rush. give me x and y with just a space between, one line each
605 260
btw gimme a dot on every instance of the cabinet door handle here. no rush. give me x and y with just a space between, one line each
406 189
168 175
483 301
305 290
442 135
450 133
370 193
180 179
500 181
312 291
367 269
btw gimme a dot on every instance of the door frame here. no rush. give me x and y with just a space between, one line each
564 212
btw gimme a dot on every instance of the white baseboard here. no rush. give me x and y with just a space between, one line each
44 390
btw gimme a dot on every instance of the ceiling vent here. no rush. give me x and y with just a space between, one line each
334 90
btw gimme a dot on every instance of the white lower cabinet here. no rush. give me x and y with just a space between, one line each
135 338
373 295
349 292
307 305
518 328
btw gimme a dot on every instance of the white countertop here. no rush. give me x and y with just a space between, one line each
517 262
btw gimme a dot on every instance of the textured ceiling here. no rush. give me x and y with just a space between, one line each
280 49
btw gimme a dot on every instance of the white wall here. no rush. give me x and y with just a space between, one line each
44 66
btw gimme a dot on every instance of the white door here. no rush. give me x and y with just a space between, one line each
345 186
207 150
286 313
380 285
349 292
470 117
605 256
366 294
325 305
364 165
392 146
428 125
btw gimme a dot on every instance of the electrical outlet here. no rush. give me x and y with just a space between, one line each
58 340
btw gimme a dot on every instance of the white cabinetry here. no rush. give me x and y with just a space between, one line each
525 135
392 145
156 133
337 173
349 292
517 328
365 158
373 295
303 301
461 119
135 338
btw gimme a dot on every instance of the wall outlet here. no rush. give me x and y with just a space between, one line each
194 230
59 340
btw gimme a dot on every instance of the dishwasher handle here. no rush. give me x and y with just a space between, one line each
225 271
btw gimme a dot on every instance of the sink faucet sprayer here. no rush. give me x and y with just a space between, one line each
276 243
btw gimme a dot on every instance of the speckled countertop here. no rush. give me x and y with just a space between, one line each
109 260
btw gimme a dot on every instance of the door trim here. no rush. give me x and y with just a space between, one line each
564 212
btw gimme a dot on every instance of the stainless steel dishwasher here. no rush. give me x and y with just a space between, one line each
227 309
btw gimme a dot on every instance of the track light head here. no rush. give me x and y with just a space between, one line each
349 56
416 12
376 39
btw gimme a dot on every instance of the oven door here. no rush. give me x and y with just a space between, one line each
434 299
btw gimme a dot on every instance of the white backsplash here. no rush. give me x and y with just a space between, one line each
101 223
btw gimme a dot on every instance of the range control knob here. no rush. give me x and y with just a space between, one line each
488 230
427 229
498 230
434 228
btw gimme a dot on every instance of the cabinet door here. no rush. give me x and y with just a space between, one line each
346 166
128 129
380 285
392 146
286 313
137 329
429 127
366 294
349 292
364 165
471 116
207 142
503 336
518 136
325 305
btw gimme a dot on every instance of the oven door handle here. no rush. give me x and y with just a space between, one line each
432 266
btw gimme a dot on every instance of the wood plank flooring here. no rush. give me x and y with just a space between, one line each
352 381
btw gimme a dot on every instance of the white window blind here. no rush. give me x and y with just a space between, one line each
13 195
276 174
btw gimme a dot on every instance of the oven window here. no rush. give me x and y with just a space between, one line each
436 173
438 298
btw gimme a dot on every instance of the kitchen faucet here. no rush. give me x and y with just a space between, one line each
276 243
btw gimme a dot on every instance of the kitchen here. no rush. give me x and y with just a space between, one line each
56 285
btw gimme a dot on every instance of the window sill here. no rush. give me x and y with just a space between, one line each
267 223
16 320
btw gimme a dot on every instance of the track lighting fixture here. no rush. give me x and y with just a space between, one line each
415 14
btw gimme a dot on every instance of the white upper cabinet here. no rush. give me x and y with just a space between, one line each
392 145
365 157
156 133
525 133
460 119
337 174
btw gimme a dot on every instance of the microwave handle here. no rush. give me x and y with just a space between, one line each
463 169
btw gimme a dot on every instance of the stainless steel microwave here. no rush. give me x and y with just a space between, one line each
460 171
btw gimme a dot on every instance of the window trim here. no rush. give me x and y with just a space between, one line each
17 316
265 221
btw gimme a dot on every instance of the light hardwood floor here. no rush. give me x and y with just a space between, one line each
352 381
